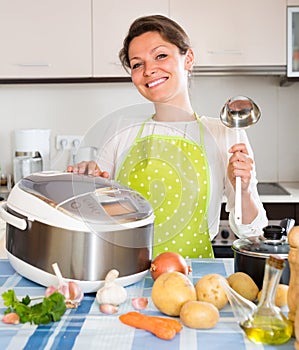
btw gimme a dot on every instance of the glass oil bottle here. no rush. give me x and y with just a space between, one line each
267 324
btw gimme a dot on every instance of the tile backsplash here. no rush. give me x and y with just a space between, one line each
72 109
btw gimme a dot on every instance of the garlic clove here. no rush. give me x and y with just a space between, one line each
140 303
50 290
72 292
75 295
75 291
64 290
11 318
108 309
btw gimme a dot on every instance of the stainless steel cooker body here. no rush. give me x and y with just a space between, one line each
85 256
86 225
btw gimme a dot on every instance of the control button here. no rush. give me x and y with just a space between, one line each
224 234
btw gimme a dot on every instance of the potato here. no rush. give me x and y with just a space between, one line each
209 289
199 314
281 296
171 291
244 285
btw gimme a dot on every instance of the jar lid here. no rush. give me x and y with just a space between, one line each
27 154
274 241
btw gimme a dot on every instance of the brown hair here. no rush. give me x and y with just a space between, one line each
168 29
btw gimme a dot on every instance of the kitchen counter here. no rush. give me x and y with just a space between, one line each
87 327
293 197
291 187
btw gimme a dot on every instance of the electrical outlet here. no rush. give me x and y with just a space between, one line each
69 141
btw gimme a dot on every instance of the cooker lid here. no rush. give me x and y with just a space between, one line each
93 199
273 241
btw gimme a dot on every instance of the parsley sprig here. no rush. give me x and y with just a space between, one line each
49 310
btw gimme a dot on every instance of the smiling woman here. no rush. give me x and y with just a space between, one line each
155 62
158 52
182 163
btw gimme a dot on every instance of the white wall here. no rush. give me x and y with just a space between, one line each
73 108
275 137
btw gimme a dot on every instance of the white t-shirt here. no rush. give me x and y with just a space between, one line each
217 140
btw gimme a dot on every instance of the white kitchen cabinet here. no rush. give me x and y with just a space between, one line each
45 39
234 32
111 21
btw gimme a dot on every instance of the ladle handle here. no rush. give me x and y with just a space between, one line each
238 195
238 202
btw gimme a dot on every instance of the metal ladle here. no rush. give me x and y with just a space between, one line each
239 112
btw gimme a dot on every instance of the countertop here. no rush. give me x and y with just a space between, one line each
291 187
86 327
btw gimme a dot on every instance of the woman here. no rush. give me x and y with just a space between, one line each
182 163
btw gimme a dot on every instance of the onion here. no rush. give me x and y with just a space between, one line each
169 262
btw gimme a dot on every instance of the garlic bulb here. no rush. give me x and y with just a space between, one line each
111 293
71 290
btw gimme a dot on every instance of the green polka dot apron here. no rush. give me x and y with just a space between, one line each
172 173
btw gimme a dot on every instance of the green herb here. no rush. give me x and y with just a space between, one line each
49 310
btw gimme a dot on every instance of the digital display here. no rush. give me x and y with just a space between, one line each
118 208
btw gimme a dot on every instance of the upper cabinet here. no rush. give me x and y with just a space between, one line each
234 32
111 21
82 38
45 39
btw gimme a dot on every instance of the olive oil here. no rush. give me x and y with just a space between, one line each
267 324
268 330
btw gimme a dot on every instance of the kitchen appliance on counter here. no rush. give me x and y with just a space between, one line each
87 225
222 243
31 152
250 253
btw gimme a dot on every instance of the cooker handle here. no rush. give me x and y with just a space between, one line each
11 219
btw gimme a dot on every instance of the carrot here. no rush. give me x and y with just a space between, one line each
164 328
172 322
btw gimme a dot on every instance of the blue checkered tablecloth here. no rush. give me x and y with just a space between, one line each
87 328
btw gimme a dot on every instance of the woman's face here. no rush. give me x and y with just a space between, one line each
158 70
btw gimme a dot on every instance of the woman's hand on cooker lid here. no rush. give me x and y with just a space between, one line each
88 168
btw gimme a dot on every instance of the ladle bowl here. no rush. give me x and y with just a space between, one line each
240 112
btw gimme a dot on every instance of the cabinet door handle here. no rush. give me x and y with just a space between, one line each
33 64
225 52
